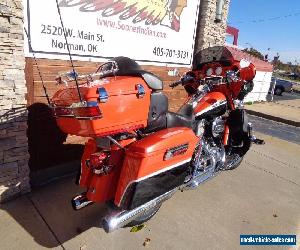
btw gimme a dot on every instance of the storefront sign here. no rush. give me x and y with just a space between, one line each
158 31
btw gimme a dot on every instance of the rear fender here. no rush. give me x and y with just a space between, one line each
101 188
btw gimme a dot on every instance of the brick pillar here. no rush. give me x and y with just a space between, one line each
209 32
14 170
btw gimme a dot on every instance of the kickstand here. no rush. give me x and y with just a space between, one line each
257 141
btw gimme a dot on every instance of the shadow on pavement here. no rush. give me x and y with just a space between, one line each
47 215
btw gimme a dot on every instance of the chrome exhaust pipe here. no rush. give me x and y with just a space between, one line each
120 218
80 201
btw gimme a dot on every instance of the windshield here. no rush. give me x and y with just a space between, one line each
222 54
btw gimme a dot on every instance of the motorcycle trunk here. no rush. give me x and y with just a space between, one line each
123 108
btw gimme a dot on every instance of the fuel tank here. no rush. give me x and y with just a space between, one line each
212 104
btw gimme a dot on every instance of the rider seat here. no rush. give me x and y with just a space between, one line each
129 67
159 117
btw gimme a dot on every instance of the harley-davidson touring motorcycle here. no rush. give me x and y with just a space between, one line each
139 153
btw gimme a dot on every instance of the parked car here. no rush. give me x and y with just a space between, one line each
281 86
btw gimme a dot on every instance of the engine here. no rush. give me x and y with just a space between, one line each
212 128
217 126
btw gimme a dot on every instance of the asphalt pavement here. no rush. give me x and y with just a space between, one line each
262 196
275 129
259 197
285 96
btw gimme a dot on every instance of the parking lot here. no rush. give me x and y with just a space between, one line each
260 197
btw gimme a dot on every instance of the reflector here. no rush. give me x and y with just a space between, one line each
87 112
62 111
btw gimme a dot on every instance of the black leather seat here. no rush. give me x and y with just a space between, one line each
184 117
129 67
178 120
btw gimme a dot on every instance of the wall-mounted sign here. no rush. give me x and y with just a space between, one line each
159 31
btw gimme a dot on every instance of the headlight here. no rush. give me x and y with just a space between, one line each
209 72
219 71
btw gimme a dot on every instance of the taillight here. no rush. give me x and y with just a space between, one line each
97 159
99 164
61 111
87 112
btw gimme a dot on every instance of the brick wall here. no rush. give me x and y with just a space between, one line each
14 170
209 32
14 155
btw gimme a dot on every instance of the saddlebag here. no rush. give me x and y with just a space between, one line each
155 165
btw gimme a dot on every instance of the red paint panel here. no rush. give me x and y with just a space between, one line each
146 157
123 111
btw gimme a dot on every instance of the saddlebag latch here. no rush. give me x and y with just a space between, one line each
140 91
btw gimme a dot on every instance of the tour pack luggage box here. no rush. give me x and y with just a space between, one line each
123 102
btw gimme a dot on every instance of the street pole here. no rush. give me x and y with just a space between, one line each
273 89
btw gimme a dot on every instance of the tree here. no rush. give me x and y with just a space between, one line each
254 52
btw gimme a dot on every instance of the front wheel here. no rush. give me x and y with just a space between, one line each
278 91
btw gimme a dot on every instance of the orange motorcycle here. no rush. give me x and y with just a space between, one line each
139 153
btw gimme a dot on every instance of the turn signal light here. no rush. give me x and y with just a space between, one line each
98 163
97 159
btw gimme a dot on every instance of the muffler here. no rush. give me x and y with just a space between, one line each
80 201
120 218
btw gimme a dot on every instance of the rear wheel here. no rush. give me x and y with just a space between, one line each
144 217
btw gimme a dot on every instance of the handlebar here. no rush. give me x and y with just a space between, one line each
175 84
231 76
184 80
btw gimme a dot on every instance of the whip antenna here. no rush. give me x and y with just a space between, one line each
38 68
69 52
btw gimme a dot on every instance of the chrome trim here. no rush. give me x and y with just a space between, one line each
140 90
103 96
115 142
216 104
119 218
55 115
80 201
79 105
152 174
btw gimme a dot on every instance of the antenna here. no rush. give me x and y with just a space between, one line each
38 68
69 52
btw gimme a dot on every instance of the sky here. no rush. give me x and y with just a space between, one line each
281 34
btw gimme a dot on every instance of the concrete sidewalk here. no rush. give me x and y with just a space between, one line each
285 111
260 197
